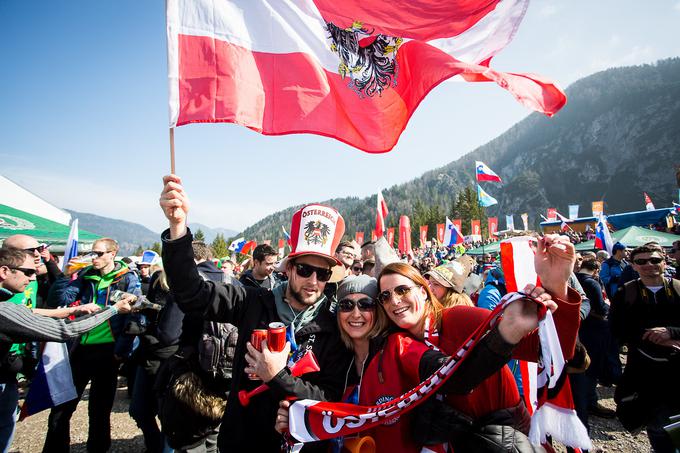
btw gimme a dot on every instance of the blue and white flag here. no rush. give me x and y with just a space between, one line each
509 223
71 250
573 211
285 233
485 200
52 384
237 244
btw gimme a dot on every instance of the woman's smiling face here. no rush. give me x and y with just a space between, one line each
356 323
406 311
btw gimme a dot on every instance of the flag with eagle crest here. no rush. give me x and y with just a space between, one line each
351 70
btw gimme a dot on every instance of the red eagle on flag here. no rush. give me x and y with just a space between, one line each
351 70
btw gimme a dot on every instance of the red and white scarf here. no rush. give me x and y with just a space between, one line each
311 420
545 384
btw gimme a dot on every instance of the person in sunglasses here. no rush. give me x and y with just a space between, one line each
47 270
100 352
387 361
19 323
411 306
645 315
299 303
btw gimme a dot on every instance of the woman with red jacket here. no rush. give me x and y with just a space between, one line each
411 306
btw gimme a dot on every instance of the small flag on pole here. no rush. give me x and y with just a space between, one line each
380 216
485 200
71 250
452 236
603 239
237 244
484 173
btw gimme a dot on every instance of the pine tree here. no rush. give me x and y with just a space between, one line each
156 247
219 246
139 251
199 236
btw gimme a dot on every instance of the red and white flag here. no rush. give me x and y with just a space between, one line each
648 202
564 222
352 70
546 385
380 216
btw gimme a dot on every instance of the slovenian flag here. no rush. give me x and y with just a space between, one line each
451 234
485 200
603 240
484 173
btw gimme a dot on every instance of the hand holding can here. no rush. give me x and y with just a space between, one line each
256 338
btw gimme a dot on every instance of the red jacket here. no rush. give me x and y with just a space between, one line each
500 390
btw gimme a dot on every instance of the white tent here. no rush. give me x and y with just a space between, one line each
15 196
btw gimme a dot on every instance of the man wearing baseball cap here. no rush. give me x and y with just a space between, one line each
299 303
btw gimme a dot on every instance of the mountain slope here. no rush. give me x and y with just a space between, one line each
128 234
210 233
619 135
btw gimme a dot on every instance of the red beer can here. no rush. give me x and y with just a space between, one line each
276 336
256 338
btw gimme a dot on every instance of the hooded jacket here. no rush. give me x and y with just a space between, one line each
91 286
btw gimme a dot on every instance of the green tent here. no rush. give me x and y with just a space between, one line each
14 221
493 248
634 236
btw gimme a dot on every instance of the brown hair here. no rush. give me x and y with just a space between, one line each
649 247
433 308
12 257
201 251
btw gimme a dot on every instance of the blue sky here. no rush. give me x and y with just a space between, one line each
83 110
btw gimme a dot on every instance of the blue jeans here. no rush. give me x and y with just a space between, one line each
9 399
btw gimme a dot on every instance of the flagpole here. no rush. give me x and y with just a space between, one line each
172 150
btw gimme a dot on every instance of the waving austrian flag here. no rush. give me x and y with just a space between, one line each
352 70
380 216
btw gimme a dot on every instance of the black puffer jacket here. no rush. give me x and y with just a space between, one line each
251 428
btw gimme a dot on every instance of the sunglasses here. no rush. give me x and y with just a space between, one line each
27 272
364 304
99 254
38 249
357 269
643 261
399 291
306 271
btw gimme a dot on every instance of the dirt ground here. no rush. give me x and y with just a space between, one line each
607 434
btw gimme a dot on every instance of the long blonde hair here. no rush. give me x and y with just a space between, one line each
433 307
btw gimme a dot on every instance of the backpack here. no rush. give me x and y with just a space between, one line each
217 346
216 349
